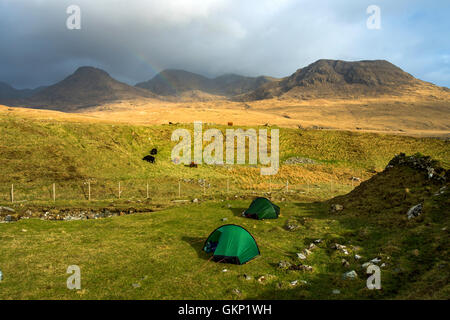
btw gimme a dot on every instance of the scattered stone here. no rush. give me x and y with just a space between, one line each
366 265
8 218
261 279
318 241
415 211
247 277
195 200
337 207
7 209
224 219
351 275
345 263
376 261
357 257
383 265
237 292
299 160
312 246
24 230
306 252
336 291
294 283
302 267
301 256
284 264
225 270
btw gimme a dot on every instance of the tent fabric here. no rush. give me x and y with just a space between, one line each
262 208
231 243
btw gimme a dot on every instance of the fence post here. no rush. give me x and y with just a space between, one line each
12 193
54 192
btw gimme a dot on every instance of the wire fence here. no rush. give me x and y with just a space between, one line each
167 188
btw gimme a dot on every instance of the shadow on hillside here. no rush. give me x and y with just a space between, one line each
237 211
197 244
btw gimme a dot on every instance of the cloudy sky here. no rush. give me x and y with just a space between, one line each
135 39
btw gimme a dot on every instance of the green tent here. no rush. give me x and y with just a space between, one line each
262 208
232 244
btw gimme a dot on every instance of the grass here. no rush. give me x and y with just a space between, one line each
161 250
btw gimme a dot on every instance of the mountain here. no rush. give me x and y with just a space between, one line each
340 79
179 82
86 87
8 93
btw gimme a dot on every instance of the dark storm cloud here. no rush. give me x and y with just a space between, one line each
133 40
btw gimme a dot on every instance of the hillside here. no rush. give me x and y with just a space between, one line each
178 82
86 87
342 79
9 93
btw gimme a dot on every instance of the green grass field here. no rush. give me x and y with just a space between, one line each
158 255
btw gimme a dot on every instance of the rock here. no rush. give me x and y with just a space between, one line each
415 211
24 230
306 252
195 200
284 264
376 261
247 277
351 275
225 270
237 292
345 263
301 256
336 291
312 246
299 160
224 219
366 265
318 241
383 265
357 257
7 209
261 279
294 283
337 207
8 218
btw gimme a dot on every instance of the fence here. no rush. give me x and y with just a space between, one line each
168 188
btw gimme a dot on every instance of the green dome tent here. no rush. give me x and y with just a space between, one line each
232 244
262 208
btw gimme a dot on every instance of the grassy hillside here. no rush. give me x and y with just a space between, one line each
37 153
158 255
